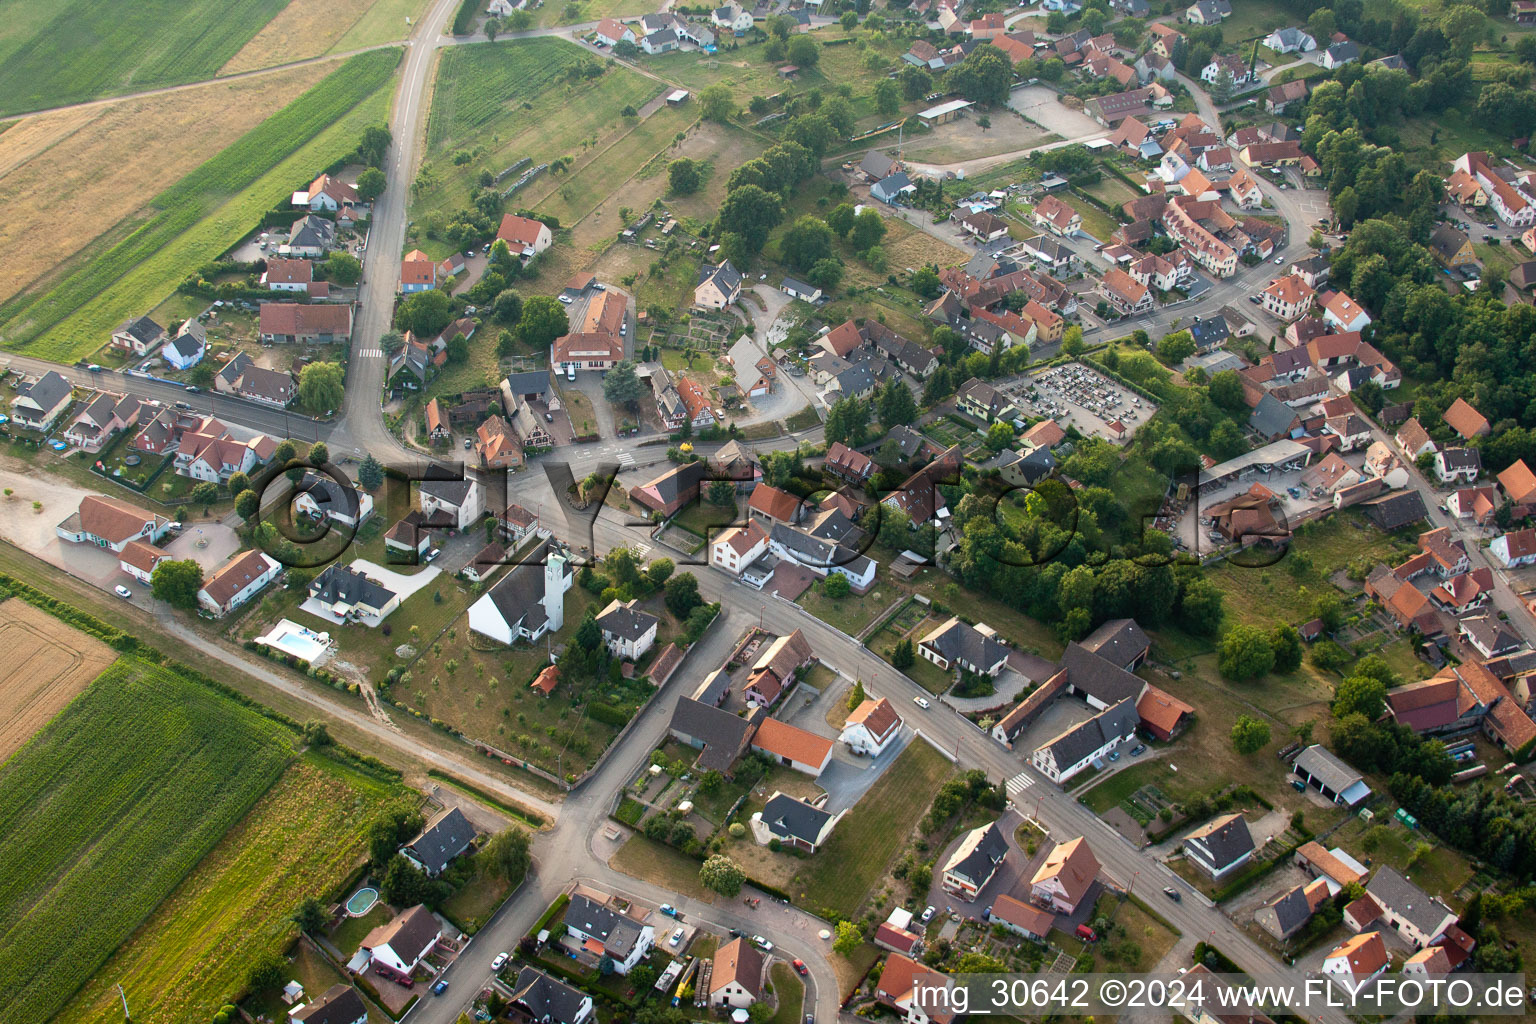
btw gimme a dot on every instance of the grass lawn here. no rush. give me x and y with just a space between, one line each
1138 940
841 874
349 934
706 519
474 904
1095 221
788 992
662 865
302 839
309 968
1253 19
1440 871
849 614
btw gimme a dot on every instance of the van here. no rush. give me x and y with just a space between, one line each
1086 934
570 373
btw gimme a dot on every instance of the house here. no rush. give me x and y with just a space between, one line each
1151 65
891 189
736 975
1221 846
1357 961
1339 54
775 669
1466 592
1290 40
1414 440
849 465
877 165
1344 313
1232 65
1207 12
1046 434
1511 203
139 560
400 944
287 323
339 1004
1320 769
497 444
443 838
668 493
1435 960
608 933
1272 419
957 644
1288 297
347 593
1522 12
1519 484
140 336
517 522
410 538
208 453
1163 715
731 18
418 272
525 237
795 748
737 548
111 524
1416 916
1514 549
237 581
919 497
1458 464
185 350
1019 917
721 736
984 226
627 631
1465 420
459 499
586 350
1475 503
1124 293
975 861
797 289
330 194
611 32
1066 876
871 727
1057 217
529 601
899 981
1120 642
1070 752
311 237
1351 429
795 823
1490 636
1286 914
319 496
717 286
773 505
102 418
1451 247
979 399
548 1001
1164 39
39 404
288 275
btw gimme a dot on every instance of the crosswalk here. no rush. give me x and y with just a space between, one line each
374 352
625 459
642 549
1019 783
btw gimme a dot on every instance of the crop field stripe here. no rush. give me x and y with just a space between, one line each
91 48
182 205
104 813
481 80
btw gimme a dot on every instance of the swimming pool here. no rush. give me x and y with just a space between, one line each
362 901
291 638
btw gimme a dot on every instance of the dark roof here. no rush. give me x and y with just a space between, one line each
530 382
1403 898
1098 677
1210 332
1272 418
626 622
618 933
519 594
790 818
1118 721
339 1005
142 329
187 344
722 733
444 838
877 163
978 853
1120 641
1396 510
1034 465
1461 458
343 584
545 998
1291 910
674 483
453 492
328 494
1318 762
230 372
312 231
1344 51
962 641
1226 839
47 391
725 276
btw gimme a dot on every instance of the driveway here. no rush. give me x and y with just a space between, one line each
210 545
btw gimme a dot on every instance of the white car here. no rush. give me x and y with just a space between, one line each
928 914
122 591
1279 261
566 299
762 944
922 702
499 962
677 936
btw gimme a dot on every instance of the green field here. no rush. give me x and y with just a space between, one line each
104 812
53 54
843 871
505 101
203 214
302 839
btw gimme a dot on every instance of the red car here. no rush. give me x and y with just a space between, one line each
800 966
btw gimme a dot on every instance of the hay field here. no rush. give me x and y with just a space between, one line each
68 177
305 28
47 663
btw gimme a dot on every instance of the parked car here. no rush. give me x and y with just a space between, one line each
122 591
1114 755
1086 934
469 443
737 933
668 909
799 966
928 913
677 936
1280 260
1138 749
922 702
500 962
762 944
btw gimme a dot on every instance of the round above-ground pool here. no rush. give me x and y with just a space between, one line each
362 901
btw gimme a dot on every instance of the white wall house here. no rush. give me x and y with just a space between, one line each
871 728
460 499
527 602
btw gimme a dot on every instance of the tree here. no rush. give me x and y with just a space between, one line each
999 436
887 97
1245 653
374 146
868 230
1249 735
984 76
840 220
1072 341
847 421
309 916
721 492
1321 25
205 494
1221 89
684 176
836 586
176 582
404 884
507 308
319 454
750 212
904 656
247 504
542 322
1360 694
284 453
343 268
506 854
659 571
717 103
1287 644
925 281
1176 347
807 242
682 594
896 404
625 50
826 274
321 387
856 696
803 52
370 473
424 314
370 184
722 875
915 83
1226 390
237 482
622 385
848 939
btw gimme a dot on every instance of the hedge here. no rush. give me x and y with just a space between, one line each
464 20
549 915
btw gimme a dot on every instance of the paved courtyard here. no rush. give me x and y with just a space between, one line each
210 545
405 586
